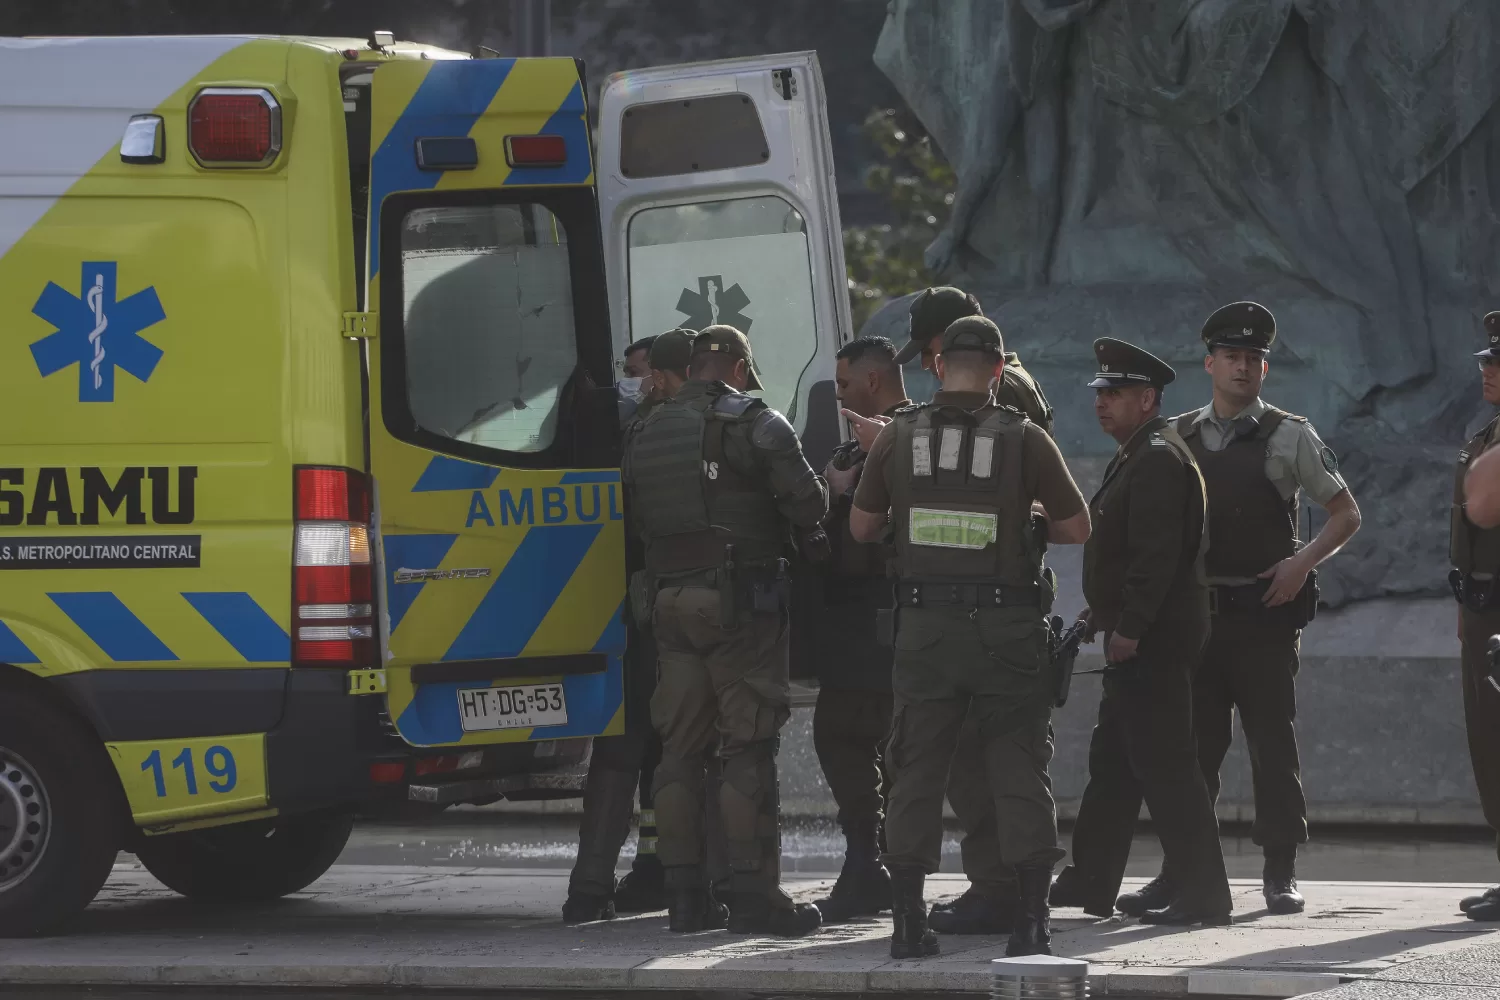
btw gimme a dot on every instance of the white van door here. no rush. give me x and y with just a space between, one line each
717 205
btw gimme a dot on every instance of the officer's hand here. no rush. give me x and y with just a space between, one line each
1121 648
866 429
814 545
1287 578
1089 632
840 481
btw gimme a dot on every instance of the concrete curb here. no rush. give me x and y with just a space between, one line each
661 974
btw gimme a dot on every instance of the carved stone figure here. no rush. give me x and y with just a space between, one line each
1126 166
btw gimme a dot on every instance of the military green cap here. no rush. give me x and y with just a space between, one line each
671 351
1492 328
1247 325
1122 364
723 339
931 313
973 333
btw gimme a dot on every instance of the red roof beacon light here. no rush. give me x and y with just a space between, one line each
536 150
234 127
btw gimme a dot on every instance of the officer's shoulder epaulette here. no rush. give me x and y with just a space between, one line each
909 408
1157 441
1012 409
735 404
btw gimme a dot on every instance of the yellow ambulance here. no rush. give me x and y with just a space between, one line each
309 487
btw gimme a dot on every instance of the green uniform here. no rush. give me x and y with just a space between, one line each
1143 578
1475 553
715 479
969 787
959 476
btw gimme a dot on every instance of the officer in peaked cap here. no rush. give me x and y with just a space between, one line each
1474 548
1257 462
1143 579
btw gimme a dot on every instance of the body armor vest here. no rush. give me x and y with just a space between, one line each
1250 526
691 501
960 506
1474 551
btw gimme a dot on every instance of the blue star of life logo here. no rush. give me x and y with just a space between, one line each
97 333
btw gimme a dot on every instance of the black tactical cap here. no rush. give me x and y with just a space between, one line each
725 339
1122 364
973 333
1492 330
672 351
931 313
1247 325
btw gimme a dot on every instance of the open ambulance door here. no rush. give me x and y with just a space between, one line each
501 541
718 205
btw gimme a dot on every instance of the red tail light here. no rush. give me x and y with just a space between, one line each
234 127
333 571
536 150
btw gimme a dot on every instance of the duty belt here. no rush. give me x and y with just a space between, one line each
967 595
1476 595
1243 597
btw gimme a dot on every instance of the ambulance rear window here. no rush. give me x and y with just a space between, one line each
488 323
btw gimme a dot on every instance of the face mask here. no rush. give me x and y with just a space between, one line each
631 388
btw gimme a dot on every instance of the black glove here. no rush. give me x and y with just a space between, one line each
813 545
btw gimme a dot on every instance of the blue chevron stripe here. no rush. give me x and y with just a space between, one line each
524 592
12 649
444 473
410 552
113 627
451 99
244 624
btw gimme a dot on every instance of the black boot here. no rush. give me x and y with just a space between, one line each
753 913
1074 888
977 911
1156 894
690 906
1485 910
1490 895
584 907
1280 882
863 888
643 889
1033 931
911 938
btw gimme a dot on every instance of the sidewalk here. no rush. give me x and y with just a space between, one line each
433 927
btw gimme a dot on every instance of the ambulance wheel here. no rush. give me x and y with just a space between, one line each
247 862
59 825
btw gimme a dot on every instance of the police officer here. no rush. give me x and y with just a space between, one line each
1143 579
988 905
1475 552
853 714
654 368
716 478
959 480
1256 460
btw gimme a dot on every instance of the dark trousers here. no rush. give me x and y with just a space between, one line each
1482 711
850 728
620 765
974 804
1250 664
1143 749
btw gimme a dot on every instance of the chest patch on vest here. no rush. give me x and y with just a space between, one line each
983 462
952 529
949 445
921 454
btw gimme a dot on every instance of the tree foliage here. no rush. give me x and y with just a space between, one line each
916 184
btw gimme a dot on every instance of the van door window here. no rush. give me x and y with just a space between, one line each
743 262
488 331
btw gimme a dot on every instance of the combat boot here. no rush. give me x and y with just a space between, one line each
583 907
754 913
643 889
863 888
1074 888
1485 910
1033 931
911 937
1156 894
1280 882
691 907
991 910
1489 895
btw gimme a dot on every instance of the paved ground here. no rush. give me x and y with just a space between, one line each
473 928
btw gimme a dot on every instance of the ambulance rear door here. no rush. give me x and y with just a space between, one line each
718 205
501 528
